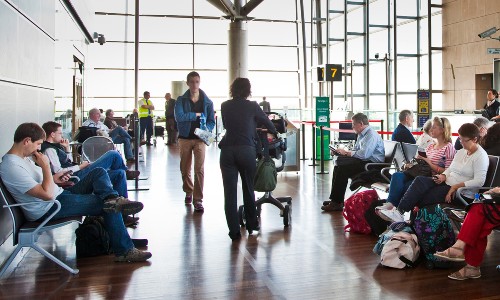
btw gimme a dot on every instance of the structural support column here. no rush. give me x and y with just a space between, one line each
136 54
238 50
237 37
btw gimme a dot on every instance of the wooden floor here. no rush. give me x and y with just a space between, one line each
193 258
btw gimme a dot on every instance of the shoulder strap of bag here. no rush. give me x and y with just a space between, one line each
404 152
264 143
407 261
259 145
401 257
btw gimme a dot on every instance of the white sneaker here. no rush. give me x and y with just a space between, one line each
387 206
391 215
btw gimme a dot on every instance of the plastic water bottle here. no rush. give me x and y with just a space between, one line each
203 122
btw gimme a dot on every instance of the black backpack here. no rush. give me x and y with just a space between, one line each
84 133
377 224
92 239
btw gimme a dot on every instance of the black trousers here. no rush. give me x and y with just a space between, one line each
146 125
341 175
172 132
242 160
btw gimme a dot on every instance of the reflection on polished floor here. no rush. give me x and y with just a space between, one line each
193 258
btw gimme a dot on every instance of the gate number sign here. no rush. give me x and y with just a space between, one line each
333 72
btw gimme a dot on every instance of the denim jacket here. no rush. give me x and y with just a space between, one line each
184 116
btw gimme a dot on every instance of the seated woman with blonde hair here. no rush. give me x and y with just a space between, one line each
439 156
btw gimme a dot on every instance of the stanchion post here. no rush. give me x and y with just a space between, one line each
382 126
322 151
303 129
313 146
136 145
216 130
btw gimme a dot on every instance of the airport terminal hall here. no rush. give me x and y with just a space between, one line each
250 149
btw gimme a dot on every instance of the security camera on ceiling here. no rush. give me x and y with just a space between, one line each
488 33
100 38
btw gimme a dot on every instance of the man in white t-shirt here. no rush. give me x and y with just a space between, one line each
91 196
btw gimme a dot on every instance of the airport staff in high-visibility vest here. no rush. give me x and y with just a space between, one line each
146 108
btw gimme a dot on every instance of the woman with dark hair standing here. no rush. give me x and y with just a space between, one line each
491 141
491 108
238 154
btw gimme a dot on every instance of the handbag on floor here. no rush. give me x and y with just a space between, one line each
434 232
354 211
401 251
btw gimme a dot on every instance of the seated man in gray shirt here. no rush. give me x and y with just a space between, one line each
91 196
368 148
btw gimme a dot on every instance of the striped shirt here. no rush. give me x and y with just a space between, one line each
441 157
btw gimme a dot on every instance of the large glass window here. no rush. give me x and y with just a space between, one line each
179 36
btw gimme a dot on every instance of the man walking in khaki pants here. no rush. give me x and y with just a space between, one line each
189 109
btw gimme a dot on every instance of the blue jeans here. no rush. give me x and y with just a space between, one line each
111 161
120 136
398 187
422 192
86 198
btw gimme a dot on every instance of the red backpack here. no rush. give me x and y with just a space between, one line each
354 211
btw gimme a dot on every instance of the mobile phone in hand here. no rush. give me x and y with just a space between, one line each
487 196
422 153
66 173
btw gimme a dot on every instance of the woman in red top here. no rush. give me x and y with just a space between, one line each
481 219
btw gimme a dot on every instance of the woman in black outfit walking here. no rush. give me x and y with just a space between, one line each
238 154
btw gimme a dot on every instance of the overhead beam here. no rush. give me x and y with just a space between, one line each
225 6
247 8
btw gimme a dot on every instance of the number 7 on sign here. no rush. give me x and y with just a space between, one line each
334 71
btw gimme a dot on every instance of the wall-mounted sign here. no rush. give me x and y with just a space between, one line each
424 107
333 72
493 50
320 71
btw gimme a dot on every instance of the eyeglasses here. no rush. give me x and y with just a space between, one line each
462 140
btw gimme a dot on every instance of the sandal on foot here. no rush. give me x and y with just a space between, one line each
446 255
466 273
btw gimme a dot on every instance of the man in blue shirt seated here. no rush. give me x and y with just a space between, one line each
368 148
402 133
